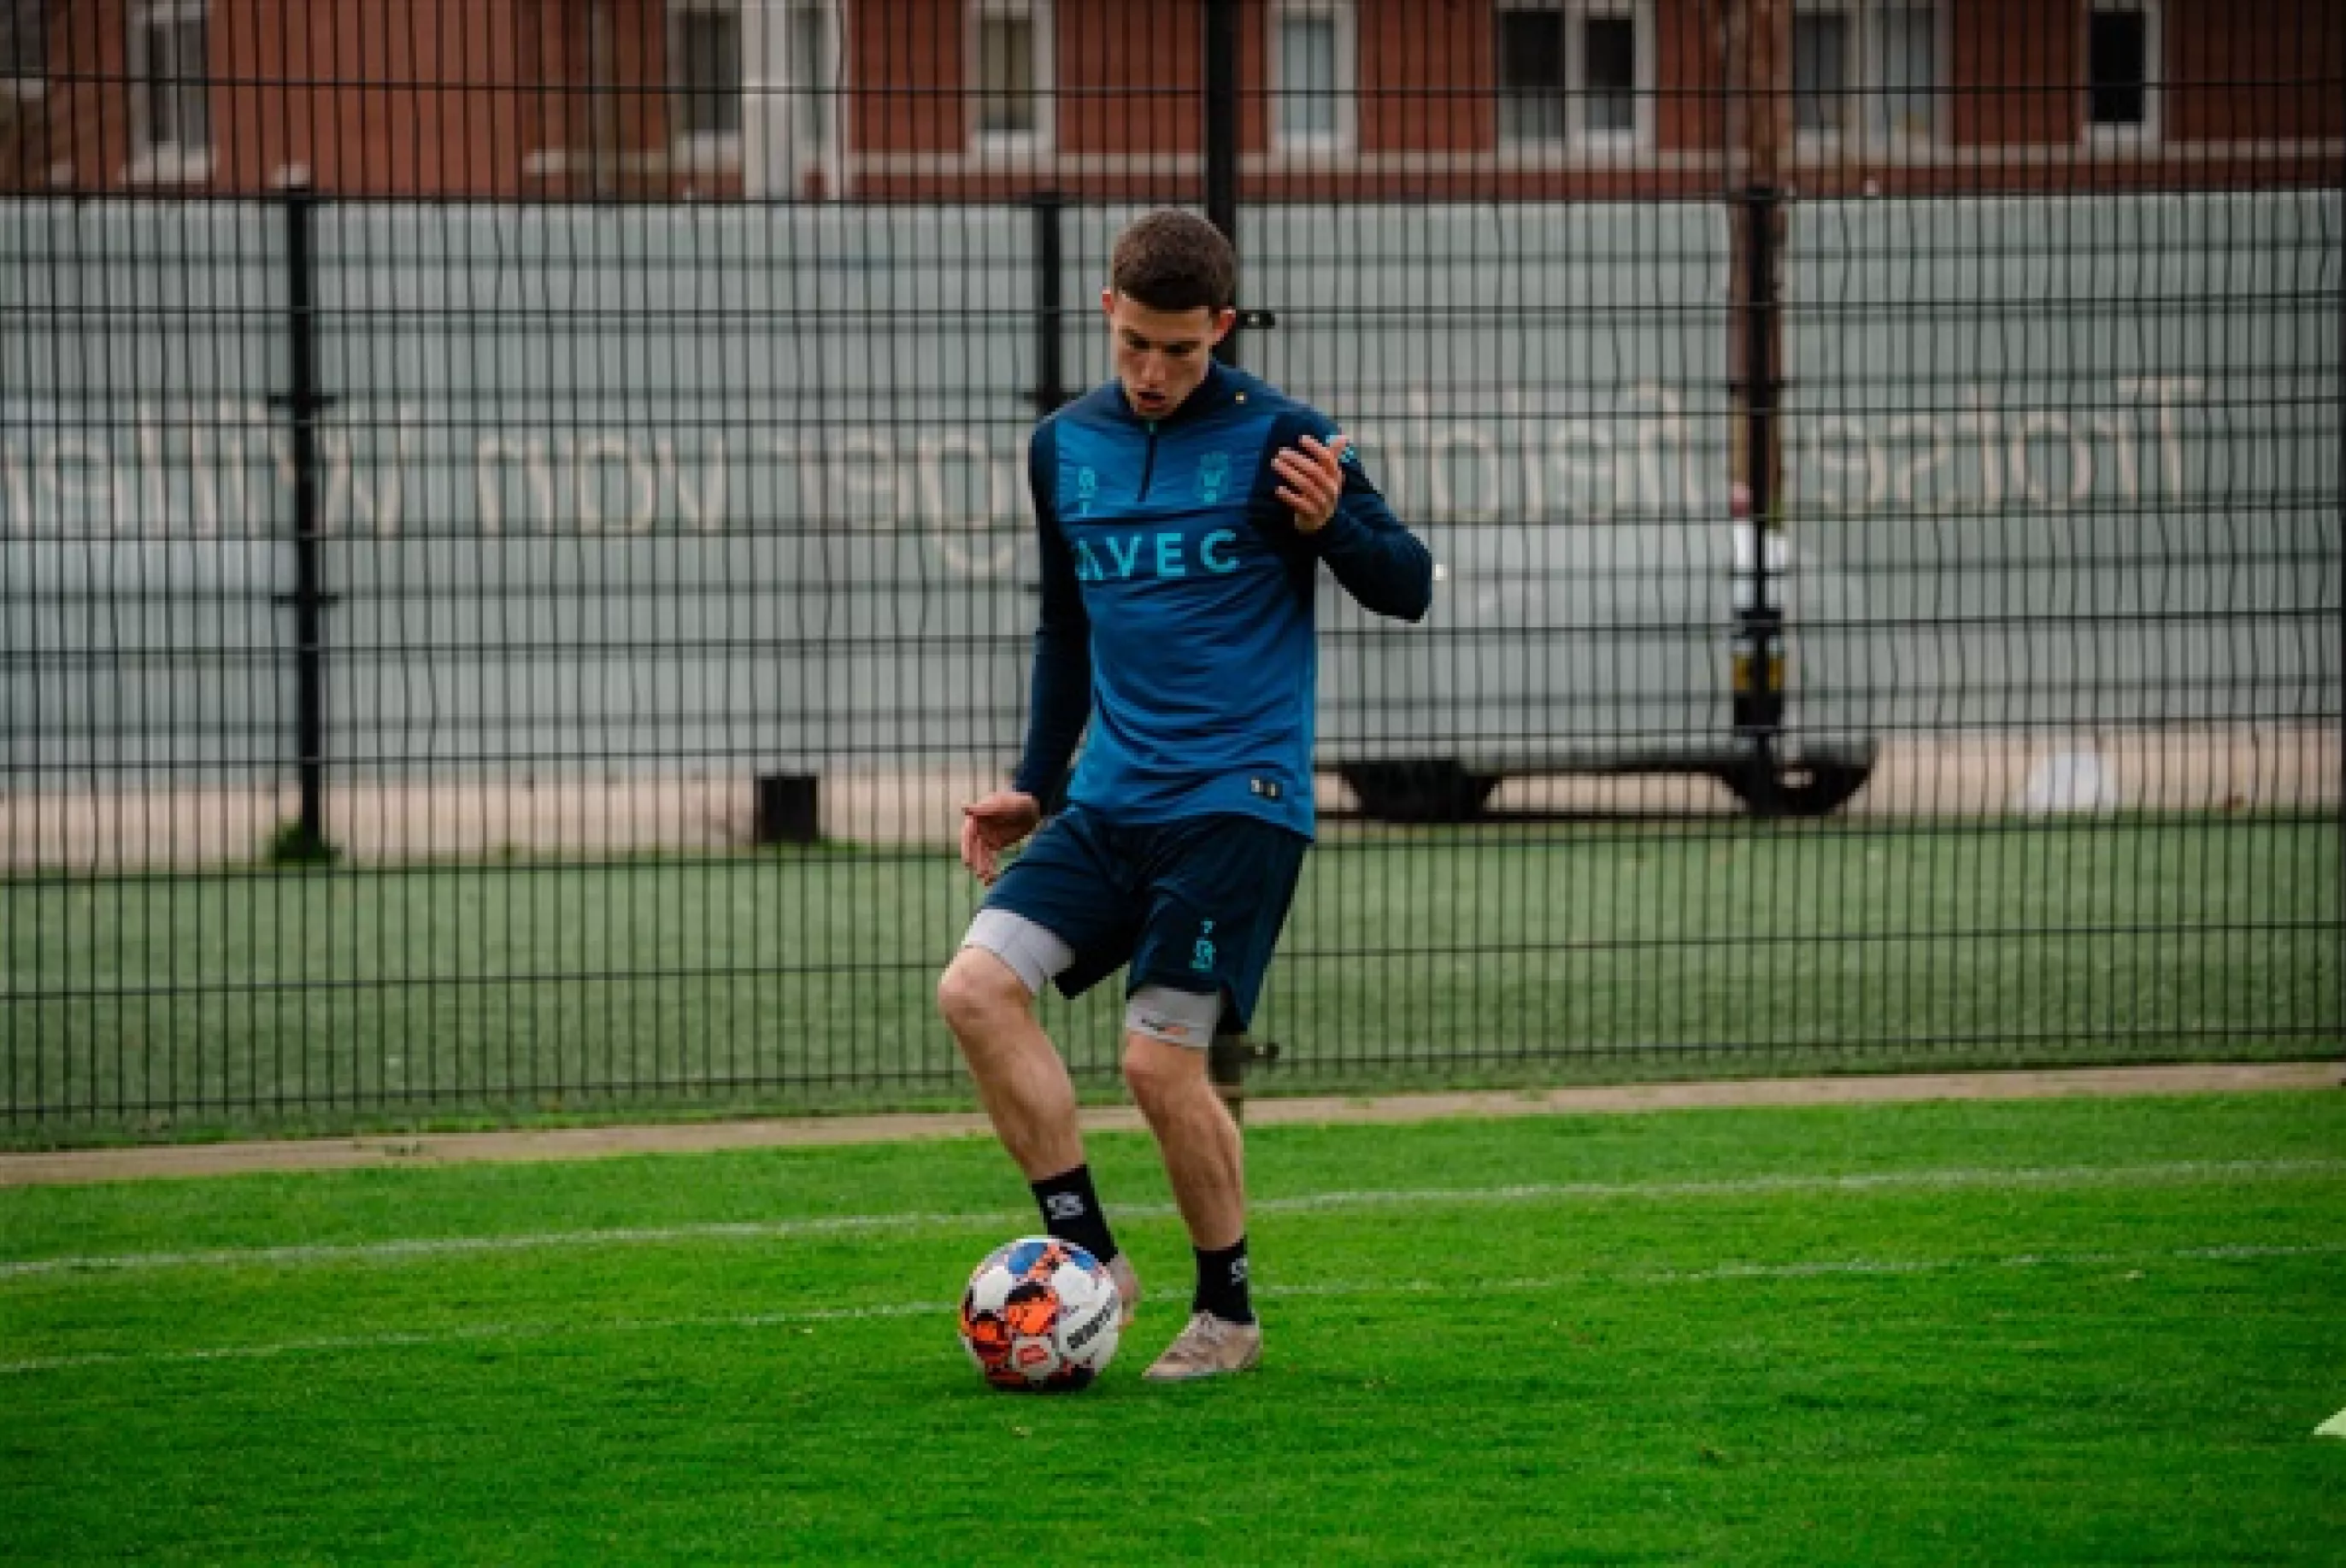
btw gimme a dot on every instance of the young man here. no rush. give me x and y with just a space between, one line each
1184 510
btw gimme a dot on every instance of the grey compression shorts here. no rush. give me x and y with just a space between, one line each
1037 955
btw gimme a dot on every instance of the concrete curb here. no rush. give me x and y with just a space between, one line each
598 1143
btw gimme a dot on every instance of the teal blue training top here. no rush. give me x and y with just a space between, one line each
1178 603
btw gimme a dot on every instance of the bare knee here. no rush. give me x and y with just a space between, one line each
977 992
1161 1076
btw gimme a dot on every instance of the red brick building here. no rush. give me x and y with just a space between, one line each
895 99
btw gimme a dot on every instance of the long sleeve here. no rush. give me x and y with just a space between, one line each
1380 563
1060 695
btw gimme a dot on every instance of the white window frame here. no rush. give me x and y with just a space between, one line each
1639 14
1865 83
709 152
1580 141
29 87
2154 74
154 162
1810 142
825 76
771 152
985 145
1346 137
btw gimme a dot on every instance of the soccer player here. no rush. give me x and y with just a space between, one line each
1185 509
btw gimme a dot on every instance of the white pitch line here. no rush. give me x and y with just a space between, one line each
1725 1273
477 1332
2168 1172
400 1249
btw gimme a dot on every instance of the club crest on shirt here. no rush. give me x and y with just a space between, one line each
1213 476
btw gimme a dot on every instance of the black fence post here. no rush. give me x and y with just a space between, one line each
1222 136
1758 668
1228 1057
1050 210
304 402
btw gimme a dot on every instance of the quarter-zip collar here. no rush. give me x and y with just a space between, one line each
1218 387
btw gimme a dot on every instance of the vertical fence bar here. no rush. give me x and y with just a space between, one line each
303 404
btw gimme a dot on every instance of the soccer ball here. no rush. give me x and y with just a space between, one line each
1039 1316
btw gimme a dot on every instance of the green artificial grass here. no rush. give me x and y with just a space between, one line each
2045 1332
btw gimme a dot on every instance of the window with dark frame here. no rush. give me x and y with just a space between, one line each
25 43
1608 52
2117 67
1531 75
1568 72
708 73
1820 75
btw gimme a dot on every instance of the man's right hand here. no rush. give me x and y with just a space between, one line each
992 825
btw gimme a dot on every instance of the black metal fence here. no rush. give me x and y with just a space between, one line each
513 545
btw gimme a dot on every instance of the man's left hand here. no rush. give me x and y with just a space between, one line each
1314 477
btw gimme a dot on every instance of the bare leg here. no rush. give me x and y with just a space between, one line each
1020 1077
1204 1155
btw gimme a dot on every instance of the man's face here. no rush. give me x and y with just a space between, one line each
1161 355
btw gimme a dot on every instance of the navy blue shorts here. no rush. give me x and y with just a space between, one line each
1195 905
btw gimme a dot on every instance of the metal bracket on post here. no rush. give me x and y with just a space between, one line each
1227 1061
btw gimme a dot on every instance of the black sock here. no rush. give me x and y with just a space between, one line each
1222 1283
1071 1211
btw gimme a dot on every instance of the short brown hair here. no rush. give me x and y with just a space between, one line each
1175 260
